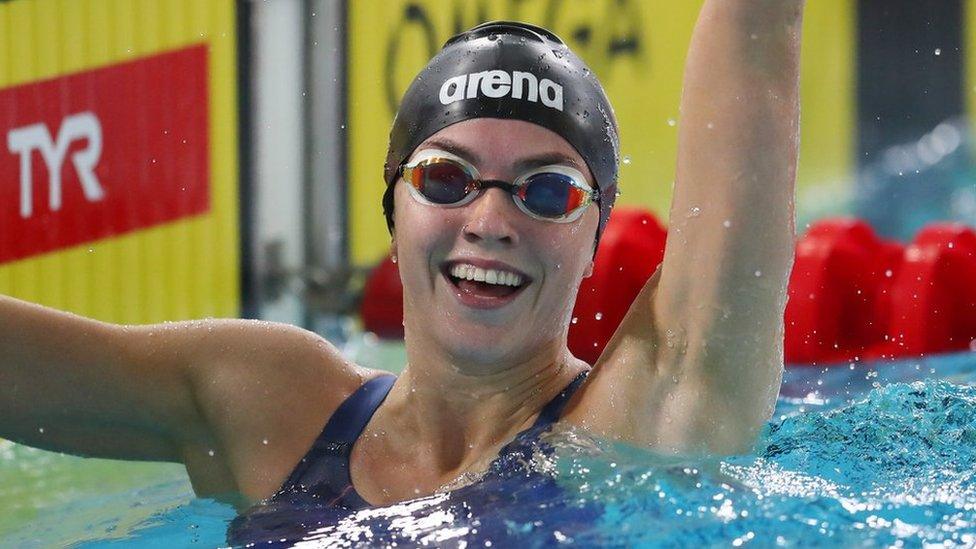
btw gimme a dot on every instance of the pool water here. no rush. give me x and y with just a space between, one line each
855 455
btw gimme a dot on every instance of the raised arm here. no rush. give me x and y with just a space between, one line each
215 395
696 365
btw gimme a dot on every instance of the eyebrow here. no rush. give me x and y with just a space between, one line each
542 159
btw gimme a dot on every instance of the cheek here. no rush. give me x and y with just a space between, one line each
422 234
571 247
567 258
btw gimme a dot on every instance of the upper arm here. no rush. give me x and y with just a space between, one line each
655 388
722 293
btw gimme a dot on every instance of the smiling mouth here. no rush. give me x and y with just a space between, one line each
484 283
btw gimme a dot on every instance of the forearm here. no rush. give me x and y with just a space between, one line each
61 374
732 211
739 132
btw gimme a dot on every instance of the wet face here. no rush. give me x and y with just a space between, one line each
485 283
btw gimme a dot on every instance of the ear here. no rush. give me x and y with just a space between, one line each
589 270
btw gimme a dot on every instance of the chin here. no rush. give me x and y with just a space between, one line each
482 344
497 345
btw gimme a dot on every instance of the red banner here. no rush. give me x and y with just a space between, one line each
103 152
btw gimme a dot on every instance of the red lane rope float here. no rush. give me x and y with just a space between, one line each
631 248
840 281
933 299
382 306
853 296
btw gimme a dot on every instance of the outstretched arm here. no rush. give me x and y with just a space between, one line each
697 363
238 402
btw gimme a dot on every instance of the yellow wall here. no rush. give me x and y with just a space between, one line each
184 269
388 45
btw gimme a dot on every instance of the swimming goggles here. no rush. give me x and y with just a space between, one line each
549 193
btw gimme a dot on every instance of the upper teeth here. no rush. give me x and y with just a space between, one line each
490 276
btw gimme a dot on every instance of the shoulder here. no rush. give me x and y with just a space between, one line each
265 391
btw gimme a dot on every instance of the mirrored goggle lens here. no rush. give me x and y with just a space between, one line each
443 182
551 194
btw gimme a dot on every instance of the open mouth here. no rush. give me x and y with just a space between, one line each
484 283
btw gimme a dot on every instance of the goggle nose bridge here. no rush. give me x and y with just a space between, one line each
485 184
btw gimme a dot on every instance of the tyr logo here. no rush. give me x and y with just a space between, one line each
26 139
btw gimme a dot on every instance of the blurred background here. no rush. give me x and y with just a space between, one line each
176 159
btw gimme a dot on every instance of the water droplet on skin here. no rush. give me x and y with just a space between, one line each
710 126
758 274
672 122
598 316
938 51
40 430
694 212
574 320
726 223
210 453
264 441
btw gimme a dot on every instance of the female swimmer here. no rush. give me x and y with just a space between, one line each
501 175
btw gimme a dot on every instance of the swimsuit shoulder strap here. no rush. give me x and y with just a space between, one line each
554 409
325 468
352 416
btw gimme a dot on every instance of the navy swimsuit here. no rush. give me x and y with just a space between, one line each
320 492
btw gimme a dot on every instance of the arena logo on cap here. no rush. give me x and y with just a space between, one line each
498 83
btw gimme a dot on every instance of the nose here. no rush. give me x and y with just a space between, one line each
492 218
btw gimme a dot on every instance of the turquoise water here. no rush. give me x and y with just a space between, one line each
854 456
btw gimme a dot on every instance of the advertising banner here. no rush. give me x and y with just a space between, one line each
118 157
85 171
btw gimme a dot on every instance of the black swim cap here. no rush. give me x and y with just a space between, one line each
510 70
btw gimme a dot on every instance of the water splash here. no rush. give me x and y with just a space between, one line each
895 465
